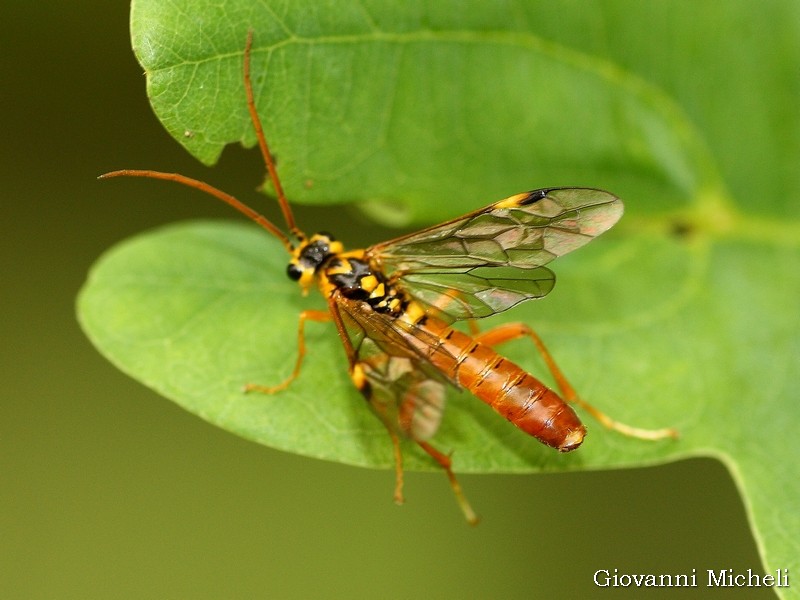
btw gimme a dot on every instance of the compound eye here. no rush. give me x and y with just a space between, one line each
294 272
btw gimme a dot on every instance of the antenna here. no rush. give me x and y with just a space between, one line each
262 143
208 189
225 197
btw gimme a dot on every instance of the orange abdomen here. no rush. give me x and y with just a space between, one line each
507 388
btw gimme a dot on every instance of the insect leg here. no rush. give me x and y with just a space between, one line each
445 462
319 316
512 331
357 375
474 329
398 467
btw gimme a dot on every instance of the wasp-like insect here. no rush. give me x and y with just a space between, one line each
393 305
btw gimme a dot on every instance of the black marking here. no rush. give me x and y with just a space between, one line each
534 196
349 283
474 347
315 252
385 305
499 362
449 334
356 293
311 257
294 272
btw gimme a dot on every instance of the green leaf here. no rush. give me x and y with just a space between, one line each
403 103
684 315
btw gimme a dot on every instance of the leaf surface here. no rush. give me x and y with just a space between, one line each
683 315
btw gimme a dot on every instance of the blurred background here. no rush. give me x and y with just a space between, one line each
109 491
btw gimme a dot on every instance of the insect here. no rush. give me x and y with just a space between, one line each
394 305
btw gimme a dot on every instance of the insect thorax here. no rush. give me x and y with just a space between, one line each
350 273
355 279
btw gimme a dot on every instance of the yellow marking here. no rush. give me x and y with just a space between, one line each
414 312
378 292
343 267
325 285
511 201
306 280
394 304
335 247
358 376
369 282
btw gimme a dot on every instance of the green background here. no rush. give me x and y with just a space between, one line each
110 491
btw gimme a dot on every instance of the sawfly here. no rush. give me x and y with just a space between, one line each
394 305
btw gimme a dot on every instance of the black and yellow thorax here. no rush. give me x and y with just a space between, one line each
322 258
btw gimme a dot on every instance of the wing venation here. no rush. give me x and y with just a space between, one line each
492 259
515 232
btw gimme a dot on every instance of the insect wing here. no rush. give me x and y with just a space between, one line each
403 397
402 387
492 259
525 231
477 293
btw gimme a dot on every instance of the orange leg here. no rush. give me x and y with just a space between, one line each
357 375
513 331
398 467
319 316
442 459
359 380
445 462
474 330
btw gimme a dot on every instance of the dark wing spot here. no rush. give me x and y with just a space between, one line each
534 196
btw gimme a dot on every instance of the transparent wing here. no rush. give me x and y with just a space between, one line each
524 231
403 388
477 293
492 259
